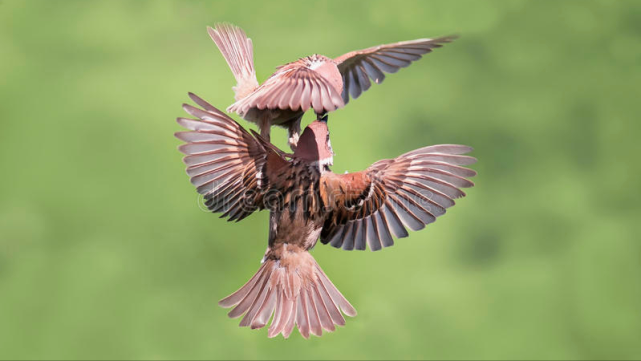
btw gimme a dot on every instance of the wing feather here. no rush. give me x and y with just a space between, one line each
294 86
372 207
357 66
227 164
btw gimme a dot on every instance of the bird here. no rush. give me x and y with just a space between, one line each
315 81
238 173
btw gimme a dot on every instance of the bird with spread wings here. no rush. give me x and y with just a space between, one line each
318 82
239 172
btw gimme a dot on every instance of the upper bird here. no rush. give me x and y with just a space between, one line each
316 81
238 173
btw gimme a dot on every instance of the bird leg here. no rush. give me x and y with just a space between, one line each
265 126
294 133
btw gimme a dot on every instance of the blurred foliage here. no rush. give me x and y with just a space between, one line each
104 252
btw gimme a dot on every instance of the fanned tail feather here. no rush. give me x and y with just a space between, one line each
238 51
296 291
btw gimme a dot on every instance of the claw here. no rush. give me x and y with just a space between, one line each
322 117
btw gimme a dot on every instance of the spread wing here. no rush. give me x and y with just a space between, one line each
292 87
358 67
372 206
227 164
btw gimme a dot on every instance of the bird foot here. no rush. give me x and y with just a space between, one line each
322 117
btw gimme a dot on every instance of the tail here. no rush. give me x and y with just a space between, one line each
293 287
238 51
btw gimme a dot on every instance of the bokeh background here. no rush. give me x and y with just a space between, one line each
104 252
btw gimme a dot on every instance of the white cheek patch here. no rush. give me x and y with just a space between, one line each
327 161
323 162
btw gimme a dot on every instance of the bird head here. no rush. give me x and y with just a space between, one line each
314 145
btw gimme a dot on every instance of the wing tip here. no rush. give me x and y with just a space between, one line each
440 39
180 133
448 38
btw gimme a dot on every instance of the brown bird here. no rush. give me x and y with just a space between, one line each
239 172
316 81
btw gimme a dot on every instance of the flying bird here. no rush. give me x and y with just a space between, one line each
239 172
316 81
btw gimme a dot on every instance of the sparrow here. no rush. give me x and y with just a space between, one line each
239 172
316 81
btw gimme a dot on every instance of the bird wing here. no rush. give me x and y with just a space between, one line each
292 87
410 191
358 67
228 165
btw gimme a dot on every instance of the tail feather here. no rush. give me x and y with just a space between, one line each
237 296
248 300
296 291
332 308
289 325
335 295
323 314
314 321
238 51
255 306
301 317
277 321
266 310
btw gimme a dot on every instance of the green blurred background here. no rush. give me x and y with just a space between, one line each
104 252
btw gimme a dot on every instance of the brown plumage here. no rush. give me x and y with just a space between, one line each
316 81
239 173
